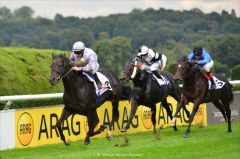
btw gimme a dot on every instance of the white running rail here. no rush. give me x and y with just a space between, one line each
54 95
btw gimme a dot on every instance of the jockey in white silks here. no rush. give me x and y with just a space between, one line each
153 60
85 59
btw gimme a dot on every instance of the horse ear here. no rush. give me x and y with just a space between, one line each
53 56
67 54
183 59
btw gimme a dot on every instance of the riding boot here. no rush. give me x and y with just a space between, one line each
99 83
155 72
213 86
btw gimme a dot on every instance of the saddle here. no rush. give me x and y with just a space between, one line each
162 81
104 80
218 83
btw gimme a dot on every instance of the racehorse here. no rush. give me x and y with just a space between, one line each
80 96
148 92
196 89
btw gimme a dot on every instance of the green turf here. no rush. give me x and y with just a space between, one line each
211 142
22 69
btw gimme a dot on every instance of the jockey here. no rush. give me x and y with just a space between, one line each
202 58
153 60
85 59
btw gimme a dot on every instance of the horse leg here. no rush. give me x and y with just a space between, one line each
220 107
65 114
169 112
134 106
228 112
177 97
195 108
153 117
182 103
93 120
115 112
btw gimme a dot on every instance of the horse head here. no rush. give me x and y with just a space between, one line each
129 70
184 69
59 67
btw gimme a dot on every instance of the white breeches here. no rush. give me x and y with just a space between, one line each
207 67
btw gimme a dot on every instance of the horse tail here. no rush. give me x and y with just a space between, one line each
230 93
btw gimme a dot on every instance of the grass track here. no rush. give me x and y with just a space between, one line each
211 142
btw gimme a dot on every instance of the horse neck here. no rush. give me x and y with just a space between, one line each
140 82
193 79
69 82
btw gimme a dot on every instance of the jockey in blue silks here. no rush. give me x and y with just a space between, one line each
202 58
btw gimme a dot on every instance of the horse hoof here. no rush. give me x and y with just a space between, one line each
123 130
186 135
229 131
175 129
157 135
86 142
172 124
109 136
68 142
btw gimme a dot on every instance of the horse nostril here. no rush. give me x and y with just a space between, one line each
51 79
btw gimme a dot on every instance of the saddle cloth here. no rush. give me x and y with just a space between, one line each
218 83
105 83
162 81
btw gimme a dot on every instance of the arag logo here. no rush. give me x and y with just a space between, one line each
25 129
146 117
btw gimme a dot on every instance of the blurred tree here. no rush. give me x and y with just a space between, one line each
24 12
235 73
5 13
113 53
233 13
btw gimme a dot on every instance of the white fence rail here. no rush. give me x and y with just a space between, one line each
30 97
10 99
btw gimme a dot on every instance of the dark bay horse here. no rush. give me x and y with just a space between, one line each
79 95
148 92
195 89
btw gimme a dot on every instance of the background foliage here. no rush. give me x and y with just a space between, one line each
27 42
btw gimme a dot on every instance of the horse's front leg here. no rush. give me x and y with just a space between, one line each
93 121
183 102
65 114
153 117
134 106
195 109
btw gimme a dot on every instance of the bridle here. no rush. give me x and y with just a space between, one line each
61 73
134 72
189 73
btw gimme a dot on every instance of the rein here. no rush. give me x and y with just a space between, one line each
190 72
61 75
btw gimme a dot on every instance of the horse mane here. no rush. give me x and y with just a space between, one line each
62 56
183 59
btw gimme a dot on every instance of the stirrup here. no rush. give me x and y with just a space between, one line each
99 85
213 87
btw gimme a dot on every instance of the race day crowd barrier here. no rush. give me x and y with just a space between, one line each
22 128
